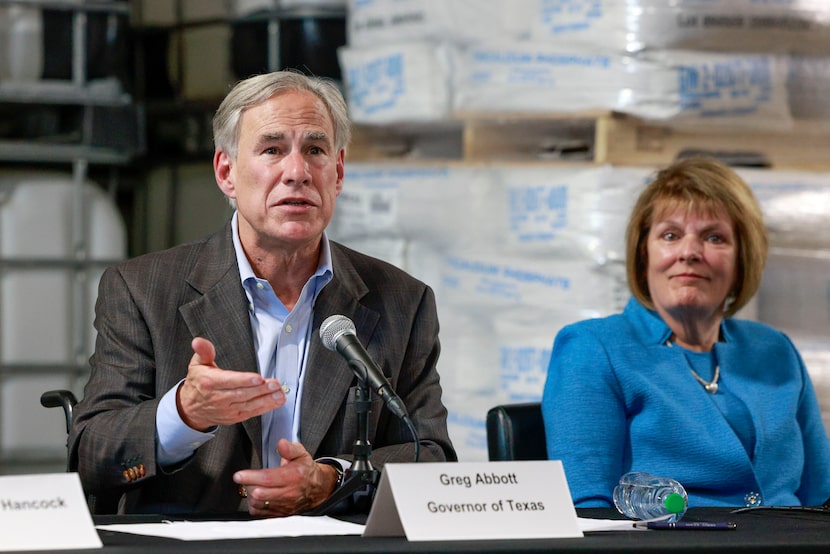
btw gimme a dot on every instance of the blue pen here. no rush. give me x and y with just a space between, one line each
700 525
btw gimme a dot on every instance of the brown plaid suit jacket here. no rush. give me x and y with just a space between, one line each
148 311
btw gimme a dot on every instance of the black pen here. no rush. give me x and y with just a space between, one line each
700 525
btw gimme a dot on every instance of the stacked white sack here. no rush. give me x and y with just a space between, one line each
372 23
403 82
707 88
788 26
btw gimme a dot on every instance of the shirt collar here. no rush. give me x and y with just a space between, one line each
321 277
649 325
653 329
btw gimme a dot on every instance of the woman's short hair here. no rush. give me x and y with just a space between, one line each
259 88
706 186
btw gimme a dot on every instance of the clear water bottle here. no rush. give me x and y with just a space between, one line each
644 496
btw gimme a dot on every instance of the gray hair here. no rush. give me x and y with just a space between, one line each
259 88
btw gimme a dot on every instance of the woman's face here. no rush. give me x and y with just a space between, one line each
692 262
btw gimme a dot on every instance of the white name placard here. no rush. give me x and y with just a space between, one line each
45 512
473 500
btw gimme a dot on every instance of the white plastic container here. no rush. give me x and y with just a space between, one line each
21 43
56 235
27 426
44 215
52 233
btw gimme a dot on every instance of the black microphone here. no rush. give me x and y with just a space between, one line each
338 334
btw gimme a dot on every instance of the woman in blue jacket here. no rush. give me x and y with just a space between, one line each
673 385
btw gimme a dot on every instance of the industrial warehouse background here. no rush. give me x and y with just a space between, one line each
498 147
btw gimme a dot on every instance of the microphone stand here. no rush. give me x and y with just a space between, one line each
361 475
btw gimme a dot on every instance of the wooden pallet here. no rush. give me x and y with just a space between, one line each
628 141
597 137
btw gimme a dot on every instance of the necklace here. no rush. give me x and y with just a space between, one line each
710 386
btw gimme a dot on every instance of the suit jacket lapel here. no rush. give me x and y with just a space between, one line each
328 377
220 315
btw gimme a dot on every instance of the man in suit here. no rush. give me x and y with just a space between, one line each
210 390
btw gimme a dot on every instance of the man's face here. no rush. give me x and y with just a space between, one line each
286 175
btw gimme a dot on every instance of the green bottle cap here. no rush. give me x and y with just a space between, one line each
674 503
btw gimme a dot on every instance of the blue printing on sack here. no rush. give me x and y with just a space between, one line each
567 16
377 85
538 211
748 79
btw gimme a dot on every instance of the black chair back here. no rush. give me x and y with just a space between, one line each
516 432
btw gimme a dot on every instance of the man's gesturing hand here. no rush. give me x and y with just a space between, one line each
212 396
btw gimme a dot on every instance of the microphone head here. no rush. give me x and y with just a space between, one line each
333 328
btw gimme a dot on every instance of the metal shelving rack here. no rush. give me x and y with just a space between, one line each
96 104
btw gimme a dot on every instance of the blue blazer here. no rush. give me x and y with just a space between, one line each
618 399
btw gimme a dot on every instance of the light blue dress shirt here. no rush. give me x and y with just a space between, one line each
281 340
